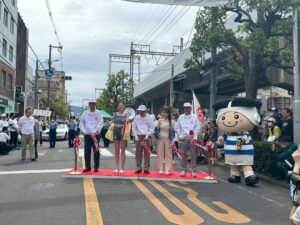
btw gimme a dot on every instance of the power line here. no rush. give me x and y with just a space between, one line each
52 22
171 23
160 21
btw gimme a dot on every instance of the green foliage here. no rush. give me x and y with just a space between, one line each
264 28
57 105
118 88
262 155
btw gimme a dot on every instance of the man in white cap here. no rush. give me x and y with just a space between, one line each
91 123
3 121
187 129
142 128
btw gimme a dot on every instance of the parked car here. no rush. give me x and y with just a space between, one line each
61 132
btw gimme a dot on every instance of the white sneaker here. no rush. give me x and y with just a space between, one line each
193 173
182 173
167 172
160 172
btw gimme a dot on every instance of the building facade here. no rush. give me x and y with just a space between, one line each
22 64
8 52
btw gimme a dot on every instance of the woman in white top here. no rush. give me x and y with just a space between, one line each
165 133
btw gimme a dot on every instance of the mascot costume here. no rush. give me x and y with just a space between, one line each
236 118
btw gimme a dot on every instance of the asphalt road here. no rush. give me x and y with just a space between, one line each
34 193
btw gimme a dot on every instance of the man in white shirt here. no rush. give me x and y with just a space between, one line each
5 148
91 123
26 127
187 129
3 121
142 127
13 129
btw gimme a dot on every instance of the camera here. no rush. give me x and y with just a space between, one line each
295 178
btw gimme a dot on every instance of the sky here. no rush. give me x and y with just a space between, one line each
89 30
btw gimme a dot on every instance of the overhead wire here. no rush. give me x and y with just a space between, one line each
55 32
178 16
160 21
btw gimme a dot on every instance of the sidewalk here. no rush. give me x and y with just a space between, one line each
280 183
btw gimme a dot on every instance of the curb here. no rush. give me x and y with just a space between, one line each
282 183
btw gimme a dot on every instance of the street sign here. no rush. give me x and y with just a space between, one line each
66 78
39 112
49 73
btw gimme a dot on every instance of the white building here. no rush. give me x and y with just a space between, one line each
8 47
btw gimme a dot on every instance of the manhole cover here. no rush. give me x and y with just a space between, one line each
42 186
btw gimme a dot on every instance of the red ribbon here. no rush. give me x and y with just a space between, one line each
179 154
145 147
76 143
96 143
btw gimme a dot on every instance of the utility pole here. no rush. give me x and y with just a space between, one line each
50 69
36 91
49 64
296 79
172 87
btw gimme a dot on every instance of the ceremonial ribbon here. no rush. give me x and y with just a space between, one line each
76 143
96 143
145 147
179 154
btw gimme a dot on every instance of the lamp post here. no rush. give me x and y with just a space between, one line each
50 69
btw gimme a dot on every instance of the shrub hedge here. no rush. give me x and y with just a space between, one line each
262 155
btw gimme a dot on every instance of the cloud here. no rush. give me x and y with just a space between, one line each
91 29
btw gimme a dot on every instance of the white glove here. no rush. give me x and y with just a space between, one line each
195 137
146 137
136 138
181 137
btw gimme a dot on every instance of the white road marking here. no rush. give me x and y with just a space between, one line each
34 171
40 154
60 150
81 152
105 152
128 153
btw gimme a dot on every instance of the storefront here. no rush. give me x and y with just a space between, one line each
6 105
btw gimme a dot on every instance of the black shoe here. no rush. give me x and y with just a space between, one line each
23 159
251 180
138 171
86 170
32 159
146 171
234 179
96 170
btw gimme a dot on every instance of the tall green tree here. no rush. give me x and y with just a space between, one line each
261 40
118 88
57 105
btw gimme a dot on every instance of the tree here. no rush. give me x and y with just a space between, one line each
118 88
261 40
57 105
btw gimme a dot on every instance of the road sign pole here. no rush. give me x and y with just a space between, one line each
49 63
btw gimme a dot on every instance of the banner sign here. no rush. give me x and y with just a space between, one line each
39 112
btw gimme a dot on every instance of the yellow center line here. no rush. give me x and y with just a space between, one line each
92 205
229 216
188 217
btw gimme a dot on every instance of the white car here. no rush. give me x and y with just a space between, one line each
61 132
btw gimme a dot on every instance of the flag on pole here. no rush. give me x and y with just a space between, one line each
197 108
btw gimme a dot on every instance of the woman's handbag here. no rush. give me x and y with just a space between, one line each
156 132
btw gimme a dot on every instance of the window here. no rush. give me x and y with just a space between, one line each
3 78
9 82
12 25
11 53
5 18
4 48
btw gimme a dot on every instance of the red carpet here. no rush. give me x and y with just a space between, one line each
129 174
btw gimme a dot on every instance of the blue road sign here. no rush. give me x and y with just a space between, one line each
49 73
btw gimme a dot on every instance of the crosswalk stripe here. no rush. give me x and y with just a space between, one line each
128 153
105 152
